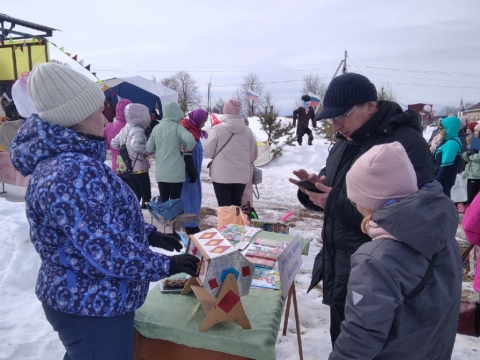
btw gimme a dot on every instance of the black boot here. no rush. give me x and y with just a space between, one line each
310 142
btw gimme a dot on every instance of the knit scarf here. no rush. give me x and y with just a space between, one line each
376 232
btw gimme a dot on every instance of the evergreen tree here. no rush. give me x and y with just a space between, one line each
325 129
276 130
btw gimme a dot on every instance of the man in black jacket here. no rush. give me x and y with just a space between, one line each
360 122
304 114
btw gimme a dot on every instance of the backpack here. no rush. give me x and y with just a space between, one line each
124 163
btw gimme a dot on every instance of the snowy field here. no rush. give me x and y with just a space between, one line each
26 335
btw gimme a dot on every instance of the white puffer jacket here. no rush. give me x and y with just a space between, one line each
232 164
133 135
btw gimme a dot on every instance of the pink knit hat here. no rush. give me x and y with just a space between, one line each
232 107
381 174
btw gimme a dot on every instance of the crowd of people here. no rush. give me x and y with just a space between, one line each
390 264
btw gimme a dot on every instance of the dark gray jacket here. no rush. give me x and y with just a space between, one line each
380 322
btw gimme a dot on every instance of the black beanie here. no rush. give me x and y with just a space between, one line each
344 92
306 98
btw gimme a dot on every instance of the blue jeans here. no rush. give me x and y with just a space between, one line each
92 337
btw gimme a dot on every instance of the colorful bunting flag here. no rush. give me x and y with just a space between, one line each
81 62
75 58
88 67
94 74
3 41
105 88
62 48
99 81
10 41
68 54
15 48
119 97
34 40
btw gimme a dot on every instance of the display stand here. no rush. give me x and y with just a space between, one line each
292 294
226 307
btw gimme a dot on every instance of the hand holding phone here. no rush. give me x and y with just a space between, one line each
308 185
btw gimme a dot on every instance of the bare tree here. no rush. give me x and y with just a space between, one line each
189 96
313 83
450 110
386 93
218 106
268 100
251 82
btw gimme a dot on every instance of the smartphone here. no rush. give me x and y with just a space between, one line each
308 185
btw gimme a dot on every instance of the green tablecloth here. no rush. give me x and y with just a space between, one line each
176 318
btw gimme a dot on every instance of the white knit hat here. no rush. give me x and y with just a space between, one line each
62 95
383 173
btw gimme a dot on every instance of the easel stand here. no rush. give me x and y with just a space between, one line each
292 293
226 307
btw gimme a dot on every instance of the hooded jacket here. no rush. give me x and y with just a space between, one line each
112 129
472 232
85 223
381 320
232 164
167 141
449 154
341 231
133 135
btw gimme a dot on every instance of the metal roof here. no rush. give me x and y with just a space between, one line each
46 31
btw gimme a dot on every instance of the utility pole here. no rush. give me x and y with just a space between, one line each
208 96
344 70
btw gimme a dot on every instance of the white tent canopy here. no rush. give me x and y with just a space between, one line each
164 93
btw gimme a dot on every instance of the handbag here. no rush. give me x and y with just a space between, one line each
230 215
209 165
257 176
469 317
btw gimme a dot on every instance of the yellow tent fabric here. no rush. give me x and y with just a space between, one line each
39 54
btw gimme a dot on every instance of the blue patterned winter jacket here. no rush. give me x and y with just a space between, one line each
85 223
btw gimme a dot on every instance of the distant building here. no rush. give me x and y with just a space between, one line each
474 112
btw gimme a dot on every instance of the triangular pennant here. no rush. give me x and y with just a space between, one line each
68 54
21 48
24 43
105 88
113 92
99 81
81 62
34 40
10 41
75 58
41 41
3 41
15 48
94 74
87 67
119 97
61 48
356 297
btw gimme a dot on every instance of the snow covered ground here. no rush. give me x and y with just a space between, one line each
26 335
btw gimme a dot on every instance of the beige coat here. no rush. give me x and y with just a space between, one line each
232 165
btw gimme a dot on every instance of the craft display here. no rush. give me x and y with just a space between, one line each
224 276
271 225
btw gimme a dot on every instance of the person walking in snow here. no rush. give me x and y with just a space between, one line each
85 222
133 136
304 114
448 155
192 186
361 122
231 146
112 129
167 141
403 295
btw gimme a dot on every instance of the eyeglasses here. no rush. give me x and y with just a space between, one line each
344 117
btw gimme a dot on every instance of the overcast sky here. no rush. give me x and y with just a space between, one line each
426 50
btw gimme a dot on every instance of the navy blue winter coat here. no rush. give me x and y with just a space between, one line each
85 223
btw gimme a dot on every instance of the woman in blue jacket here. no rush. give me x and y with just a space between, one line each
85 222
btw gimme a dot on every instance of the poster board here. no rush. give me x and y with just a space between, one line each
289 263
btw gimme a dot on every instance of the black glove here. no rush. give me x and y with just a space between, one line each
164 241
472 152
190 167
185 263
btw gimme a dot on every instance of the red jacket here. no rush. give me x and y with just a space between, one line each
108 111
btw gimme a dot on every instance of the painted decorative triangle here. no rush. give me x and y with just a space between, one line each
356 297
